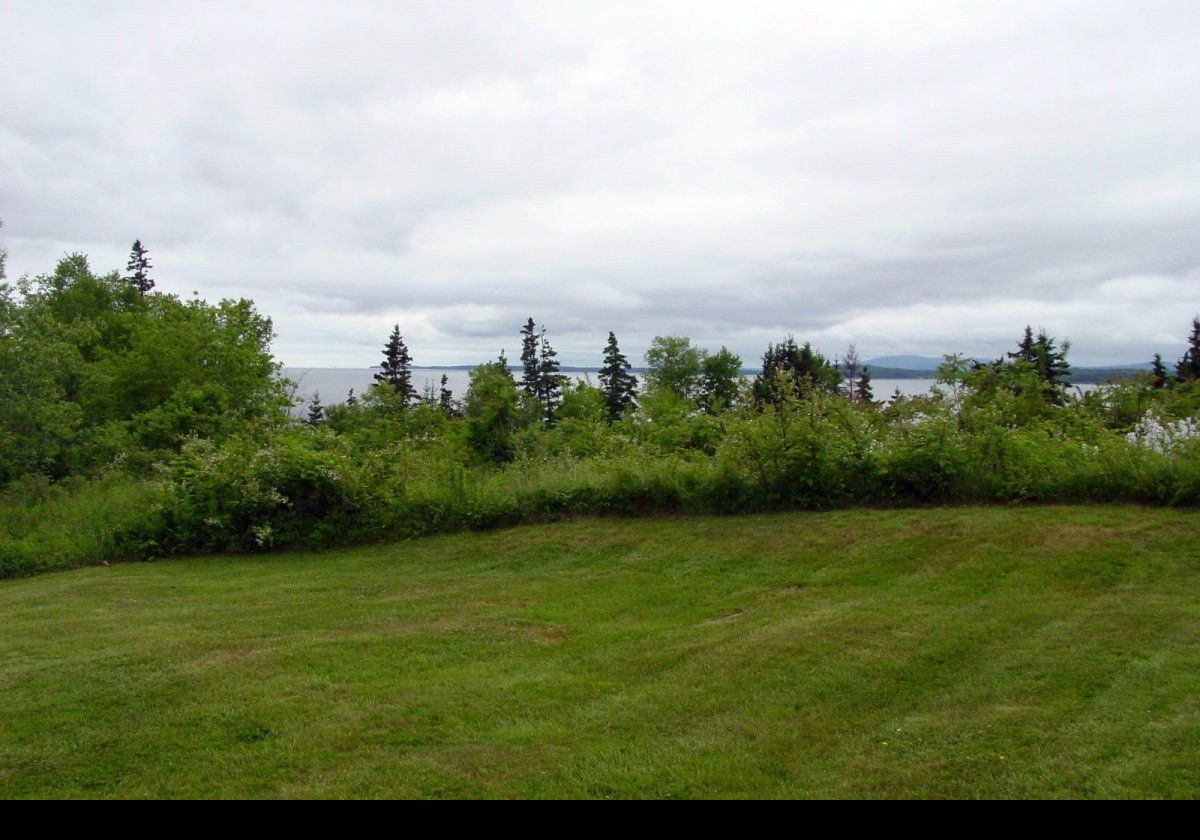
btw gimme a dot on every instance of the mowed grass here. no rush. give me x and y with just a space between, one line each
970 652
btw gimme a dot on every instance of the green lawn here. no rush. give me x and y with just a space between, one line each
969 652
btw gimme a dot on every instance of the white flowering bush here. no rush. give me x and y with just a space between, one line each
1163 434
251 495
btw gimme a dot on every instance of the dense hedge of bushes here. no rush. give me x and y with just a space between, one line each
381 477
136 425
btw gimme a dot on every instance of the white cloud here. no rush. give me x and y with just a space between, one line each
914 177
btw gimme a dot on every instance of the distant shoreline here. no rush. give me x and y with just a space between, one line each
1079 375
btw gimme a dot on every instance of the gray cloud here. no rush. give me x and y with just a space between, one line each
916 177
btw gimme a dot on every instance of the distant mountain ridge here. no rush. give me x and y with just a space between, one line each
926 363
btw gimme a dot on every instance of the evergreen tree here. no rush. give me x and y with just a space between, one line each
530 361
851 368
799 367
1188 367
502 361
1047 359
1158 372
446 398
316 412
862 387
549 382
1025 351
139 268
618 385
429 394
397 367
1051 361
351 400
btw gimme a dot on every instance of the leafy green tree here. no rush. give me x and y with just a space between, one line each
673 364
91 369
396 369
582 402
618 385
139 268
721 374
1188 367
493 414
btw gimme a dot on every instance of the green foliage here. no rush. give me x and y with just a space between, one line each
720 380
249 494
396 370
139 268
92 370
46 526
493 414
100 381
617 383
1046 359
674 365
789 370
1188 367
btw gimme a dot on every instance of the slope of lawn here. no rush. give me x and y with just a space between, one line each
1050 651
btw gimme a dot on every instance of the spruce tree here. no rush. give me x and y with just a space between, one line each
851 368
1047 359
1051 364
862 387
1188 367
549 382
502 362
801 367
396 369
530 368
1025 351
446 398
316 412
139 268
351 400
617 384
1158 372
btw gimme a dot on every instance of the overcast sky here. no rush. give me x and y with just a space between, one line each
915 178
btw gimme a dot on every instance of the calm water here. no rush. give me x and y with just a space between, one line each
334 383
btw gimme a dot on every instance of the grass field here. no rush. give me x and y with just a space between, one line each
972 652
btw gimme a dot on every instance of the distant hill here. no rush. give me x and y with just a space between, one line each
926 363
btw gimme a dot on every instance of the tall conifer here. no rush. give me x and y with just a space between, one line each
396 369
550 381
618 385
1188 367
1158 372
530 368
139 268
